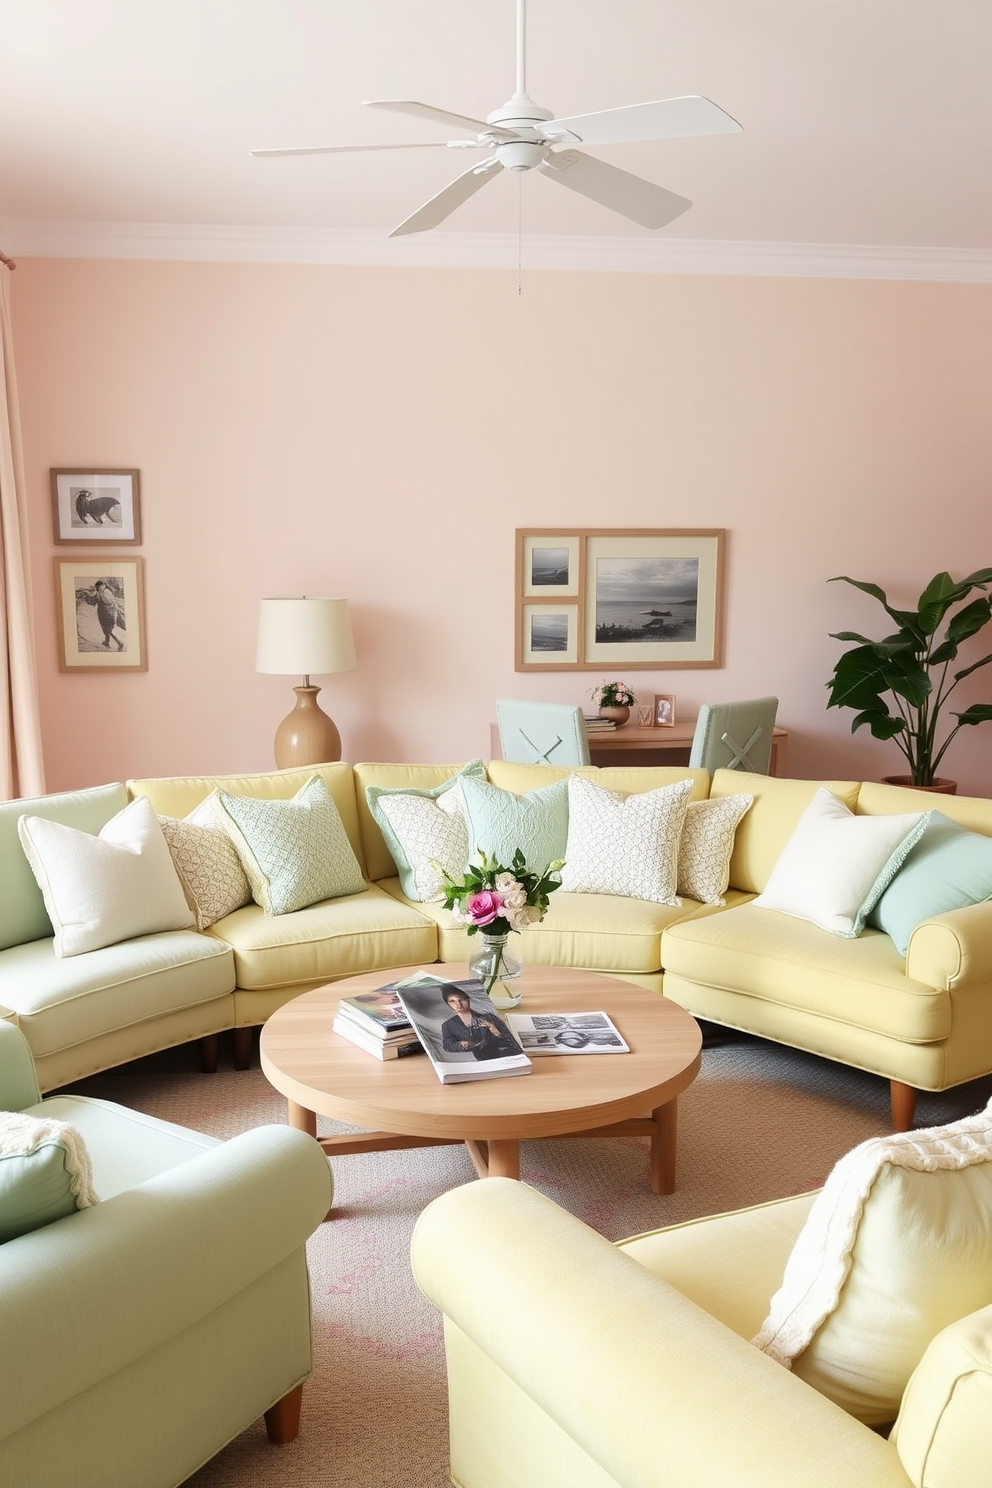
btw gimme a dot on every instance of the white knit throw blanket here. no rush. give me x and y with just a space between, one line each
821 1257
21 1135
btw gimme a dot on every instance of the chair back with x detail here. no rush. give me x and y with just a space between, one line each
735 736
542 733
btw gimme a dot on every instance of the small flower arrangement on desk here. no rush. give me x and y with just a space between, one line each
613 695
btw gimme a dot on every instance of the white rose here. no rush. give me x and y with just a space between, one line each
517 917
505 881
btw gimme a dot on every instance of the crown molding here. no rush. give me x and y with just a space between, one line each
635 255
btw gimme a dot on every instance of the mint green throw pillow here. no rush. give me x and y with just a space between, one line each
45 1173
424 837
948 868
295 852
499 822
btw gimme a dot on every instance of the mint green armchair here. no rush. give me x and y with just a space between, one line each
144 1333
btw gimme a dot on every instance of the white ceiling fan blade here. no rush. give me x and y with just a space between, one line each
441 206
440 116
668 118
348 149
641 201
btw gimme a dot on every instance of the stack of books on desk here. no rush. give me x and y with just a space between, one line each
595 724
376 1022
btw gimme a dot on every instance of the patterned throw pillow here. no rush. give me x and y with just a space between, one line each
499 822
624 845
294 852
207 862
707 845
423 828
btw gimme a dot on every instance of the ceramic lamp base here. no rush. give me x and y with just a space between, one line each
306 735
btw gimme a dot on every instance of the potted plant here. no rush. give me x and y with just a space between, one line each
614 700
901 684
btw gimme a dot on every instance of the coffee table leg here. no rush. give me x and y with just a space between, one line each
504 1159
663 1145
302 1119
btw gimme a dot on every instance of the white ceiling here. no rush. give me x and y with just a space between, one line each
866 122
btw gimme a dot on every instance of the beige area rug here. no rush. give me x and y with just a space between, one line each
760 1122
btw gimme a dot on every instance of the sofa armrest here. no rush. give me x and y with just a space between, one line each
91 1293
954 949
18 1081
652 1388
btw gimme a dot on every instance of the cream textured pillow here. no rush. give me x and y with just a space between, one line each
624 845
706 847
294 852
896 1246
207 862
836 866
104 889
433 836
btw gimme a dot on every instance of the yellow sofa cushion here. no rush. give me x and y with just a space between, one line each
336 938
767 827
897 1245
788 962
943 1432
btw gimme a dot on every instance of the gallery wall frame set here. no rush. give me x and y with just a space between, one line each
101 613
101 506
596 598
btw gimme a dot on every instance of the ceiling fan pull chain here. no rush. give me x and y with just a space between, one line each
520 231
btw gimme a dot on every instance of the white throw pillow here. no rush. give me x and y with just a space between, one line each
207 862
625 845
432 835
896 1246
707 845
835 866
104 889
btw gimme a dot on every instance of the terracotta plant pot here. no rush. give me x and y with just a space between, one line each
619 715
940 787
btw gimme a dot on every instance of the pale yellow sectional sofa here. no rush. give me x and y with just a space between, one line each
923 1021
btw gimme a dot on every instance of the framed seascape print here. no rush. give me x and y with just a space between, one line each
101 614
647 598
664 710
549 637
96 506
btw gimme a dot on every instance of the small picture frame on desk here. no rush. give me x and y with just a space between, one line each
664 710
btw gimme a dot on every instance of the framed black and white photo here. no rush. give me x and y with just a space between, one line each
101 614
96 506
645 598
664 710
549 637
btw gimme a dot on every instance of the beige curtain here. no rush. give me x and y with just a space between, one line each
22 771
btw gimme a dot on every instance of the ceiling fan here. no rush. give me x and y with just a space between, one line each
523 136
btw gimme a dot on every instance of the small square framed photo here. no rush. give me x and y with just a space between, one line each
101 614
664 709
549 565
548 637
96 506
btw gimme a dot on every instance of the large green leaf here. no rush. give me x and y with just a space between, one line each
936 600
857 681
905 619
958 676
882 725
912 683
969 621
977 713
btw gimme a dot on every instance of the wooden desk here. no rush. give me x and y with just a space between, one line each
651 746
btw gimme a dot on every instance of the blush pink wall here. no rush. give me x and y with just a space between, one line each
380 434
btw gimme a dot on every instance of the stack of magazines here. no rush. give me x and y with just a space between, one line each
377 1023
596 725
464 1035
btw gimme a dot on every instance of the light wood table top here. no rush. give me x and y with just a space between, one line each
403 1103
655 746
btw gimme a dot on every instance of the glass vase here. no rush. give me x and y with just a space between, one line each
498 971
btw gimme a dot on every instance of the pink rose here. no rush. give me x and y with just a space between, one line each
483 907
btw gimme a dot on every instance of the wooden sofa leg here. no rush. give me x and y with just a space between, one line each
242 1050
209 1051
282 1420
902 1102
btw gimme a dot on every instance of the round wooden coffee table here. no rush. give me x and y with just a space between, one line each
402 1103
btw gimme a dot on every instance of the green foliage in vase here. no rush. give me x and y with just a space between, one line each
900 685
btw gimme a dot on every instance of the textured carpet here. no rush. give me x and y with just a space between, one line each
760 1122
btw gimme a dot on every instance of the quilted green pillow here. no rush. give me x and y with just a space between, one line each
499 822
294 852
45 1173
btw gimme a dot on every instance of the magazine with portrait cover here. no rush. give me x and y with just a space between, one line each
567 1033
465 1037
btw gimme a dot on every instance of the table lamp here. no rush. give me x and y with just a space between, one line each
305 636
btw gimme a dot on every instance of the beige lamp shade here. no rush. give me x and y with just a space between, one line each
305 636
